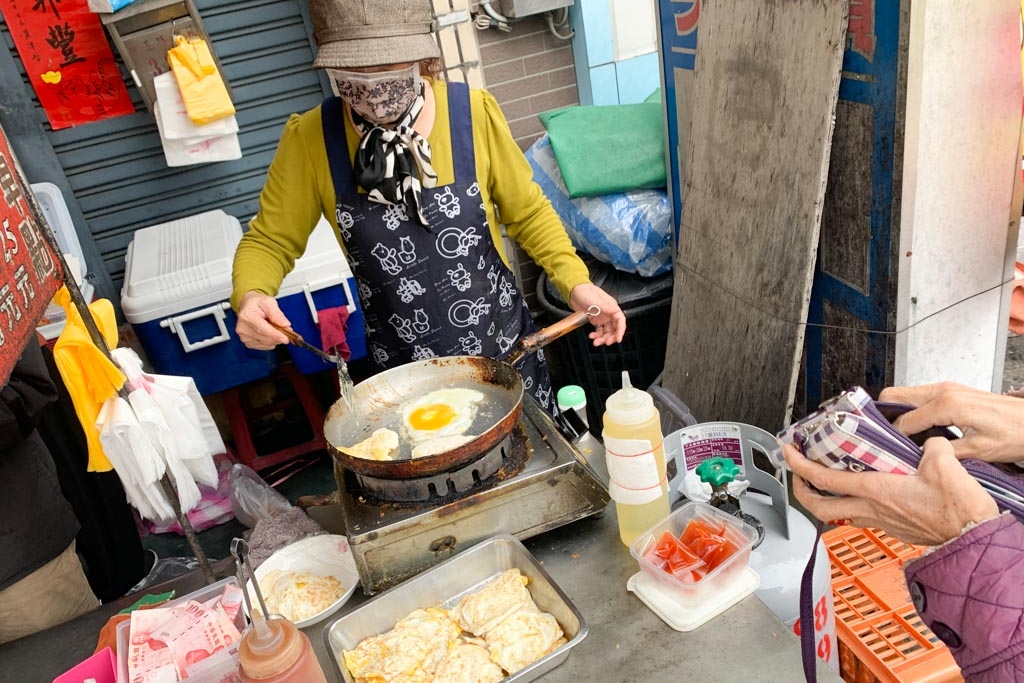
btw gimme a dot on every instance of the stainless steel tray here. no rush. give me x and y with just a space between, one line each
444 585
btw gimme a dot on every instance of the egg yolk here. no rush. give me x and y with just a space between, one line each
431 417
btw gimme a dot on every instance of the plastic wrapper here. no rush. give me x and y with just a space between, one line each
631 231
252 499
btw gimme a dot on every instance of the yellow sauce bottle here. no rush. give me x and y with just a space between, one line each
636 460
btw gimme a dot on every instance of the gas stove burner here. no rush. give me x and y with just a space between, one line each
504 460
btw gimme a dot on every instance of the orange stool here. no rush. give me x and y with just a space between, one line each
241 414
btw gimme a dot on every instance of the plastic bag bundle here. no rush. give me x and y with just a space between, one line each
163 427
629 230
202 88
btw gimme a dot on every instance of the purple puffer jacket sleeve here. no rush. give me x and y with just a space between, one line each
970 592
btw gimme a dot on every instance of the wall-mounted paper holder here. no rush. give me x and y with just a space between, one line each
144 31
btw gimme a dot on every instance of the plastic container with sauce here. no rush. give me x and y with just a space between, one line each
275 651
724 572
636 460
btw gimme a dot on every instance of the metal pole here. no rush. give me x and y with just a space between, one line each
97 338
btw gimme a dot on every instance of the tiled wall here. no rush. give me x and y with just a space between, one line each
528 71
602 78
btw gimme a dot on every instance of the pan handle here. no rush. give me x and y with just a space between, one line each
541 338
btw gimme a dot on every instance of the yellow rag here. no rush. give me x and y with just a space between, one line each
91 377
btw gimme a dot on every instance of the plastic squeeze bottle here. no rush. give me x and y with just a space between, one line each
572 397
636 460
275 651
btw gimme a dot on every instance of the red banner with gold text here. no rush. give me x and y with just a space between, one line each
29 270
68 60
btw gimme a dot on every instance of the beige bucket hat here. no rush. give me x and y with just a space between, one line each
354 33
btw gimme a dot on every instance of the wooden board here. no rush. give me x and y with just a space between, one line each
764 99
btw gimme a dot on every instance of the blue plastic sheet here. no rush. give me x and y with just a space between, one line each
628 230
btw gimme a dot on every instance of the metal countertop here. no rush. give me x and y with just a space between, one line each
626 641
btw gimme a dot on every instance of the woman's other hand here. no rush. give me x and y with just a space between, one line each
992 424
610 325
254 310
927 508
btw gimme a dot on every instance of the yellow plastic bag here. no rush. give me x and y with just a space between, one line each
202 88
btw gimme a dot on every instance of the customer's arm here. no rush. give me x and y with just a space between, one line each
930 507
992 424
970 592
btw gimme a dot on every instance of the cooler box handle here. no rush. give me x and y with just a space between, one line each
177 326
307 290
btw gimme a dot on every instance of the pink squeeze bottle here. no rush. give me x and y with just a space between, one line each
275 651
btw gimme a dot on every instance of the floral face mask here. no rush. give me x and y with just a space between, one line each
381 97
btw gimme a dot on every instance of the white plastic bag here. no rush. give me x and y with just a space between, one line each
252 499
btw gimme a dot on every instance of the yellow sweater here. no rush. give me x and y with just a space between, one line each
299 189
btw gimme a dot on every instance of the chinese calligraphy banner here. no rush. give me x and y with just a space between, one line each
29 270
68 60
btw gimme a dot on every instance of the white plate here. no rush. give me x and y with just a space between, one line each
326 555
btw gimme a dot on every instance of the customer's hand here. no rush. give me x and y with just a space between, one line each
610 325
254 310
927 508
992 424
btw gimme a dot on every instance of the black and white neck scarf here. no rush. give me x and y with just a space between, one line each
393 164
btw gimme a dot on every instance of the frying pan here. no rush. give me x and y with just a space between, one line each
379 400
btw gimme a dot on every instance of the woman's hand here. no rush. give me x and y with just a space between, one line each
611 324
254 310
992 424
927 508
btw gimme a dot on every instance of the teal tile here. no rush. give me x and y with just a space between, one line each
637 78
603 84
596 19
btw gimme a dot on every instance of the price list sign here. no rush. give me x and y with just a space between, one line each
29 270
68 60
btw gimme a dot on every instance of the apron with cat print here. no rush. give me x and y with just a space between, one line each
442 291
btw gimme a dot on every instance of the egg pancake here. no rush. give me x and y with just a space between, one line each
523 638
468 662
408 653
379 446
481 611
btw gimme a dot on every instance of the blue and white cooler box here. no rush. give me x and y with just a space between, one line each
176 293
321 280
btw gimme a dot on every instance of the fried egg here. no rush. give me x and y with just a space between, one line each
299 595
445 412
441 444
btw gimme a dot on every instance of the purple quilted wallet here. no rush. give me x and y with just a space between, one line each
854 432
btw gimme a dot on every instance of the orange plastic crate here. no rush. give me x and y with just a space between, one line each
881 637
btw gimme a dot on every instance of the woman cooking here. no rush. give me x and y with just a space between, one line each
414 174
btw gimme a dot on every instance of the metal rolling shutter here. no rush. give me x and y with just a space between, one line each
116 168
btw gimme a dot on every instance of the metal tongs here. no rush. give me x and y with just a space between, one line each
345 383
240 551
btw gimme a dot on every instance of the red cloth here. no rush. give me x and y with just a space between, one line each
333 326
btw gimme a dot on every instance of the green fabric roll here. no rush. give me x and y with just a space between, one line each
607 149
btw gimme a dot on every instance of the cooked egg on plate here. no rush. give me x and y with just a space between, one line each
302 578
440 413
297 596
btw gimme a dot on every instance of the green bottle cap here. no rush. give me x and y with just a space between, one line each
571 396
717 471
